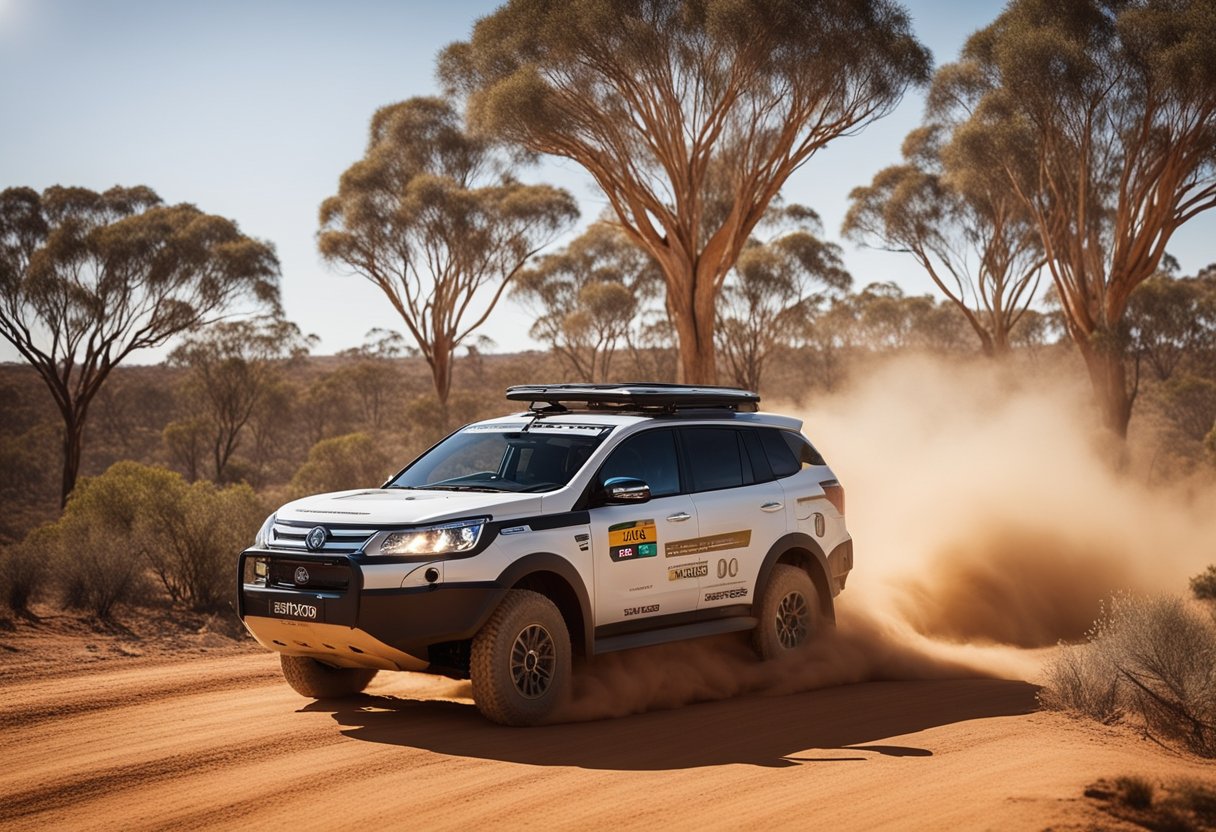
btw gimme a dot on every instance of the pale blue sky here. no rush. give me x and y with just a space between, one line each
253 108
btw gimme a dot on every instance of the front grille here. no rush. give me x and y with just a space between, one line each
339 539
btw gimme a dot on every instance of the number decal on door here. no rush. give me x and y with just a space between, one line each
728 568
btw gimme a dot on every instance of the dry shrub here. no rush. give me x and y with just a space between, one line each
24 573
1152 657
342 463
1083 681
1178 806
1203 585
191 538
1136 792
133 517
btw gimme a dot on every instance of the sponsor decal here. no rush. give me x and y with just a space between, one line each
646 610
633 540
583 541
712 543
557 427
728 568
294 609
700 569
724 594
516 530
641 588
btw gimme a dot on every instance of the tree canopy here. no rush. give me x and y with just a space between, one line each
972 236
432 216
657 97
1101 114
88 278
588 297
769 297
233 365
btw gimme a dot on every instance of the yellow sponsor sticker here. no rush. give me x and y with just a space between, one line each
633 540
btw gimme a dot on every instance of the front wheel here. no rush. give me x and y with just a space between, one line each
520 663
309 677
789 611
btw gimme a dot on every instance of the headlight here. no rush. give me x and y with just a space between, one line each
262 539
445 539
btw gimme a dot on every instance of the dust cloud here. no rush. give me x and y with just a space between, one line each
988 523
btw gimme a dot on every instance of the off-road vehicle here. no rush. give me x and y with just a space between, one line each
604 517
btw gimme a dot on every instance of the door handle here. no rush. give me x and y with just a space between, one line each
772 506
680 517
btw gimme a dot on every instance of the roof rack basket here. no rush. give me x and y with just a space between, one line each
643 397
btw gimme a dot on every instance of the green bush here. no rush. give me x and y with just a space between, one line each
24 571
192 539
1152 657
342 463
137 517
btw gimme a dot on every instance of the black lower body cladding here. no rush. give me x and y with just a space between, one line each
409 619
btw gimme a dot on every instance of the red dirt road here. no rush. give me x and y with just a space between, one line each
222 742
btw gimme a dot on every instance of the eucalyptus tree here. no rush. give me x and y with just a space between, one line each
233 365
1172 322
767 300
972 236
588 298
1101 116
650 96
88 278
433 216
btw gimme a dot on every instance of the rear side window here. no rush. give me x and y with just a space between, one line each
781 457
804 450
713 458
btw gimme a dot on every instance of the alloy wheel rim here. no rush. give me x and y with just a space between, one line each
793 616
533 660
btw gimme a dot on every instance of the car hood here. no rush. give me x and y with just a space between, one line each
393 506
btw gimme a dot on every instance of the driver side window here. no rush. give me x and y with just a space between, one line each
649 456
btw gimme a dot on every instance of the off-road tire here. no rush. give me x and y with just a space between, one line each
789 610
520 663
309 677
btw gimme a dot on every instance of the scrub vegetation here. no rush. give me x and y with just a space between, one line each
1151 661
1060 151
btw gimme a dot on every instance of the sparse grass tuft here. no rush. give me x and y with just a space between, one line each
1183 806
1136 792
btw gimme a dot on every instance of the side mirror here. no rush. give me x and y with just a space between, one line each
625 490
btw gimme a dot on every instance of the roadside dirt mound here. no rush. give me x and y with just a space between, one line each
52 642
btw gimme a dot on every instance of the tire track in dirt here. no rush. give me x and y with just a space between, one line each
31 703
146 774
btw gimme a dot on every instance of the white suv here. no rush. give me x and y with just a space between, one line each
603 518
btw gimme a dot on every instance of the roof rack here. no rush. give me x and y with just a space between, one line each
643 397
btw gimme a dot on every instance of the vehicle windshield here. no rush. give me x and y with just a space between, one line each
504 458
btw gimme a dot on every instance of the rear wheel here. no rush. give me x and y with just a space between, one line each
789 612
309 677
520 663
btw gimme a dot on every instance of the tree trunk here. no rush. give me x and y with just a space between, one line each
697 358
1108 375
73 439
441 373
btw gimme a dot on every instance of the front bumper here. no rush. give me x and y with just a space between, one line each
344 624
